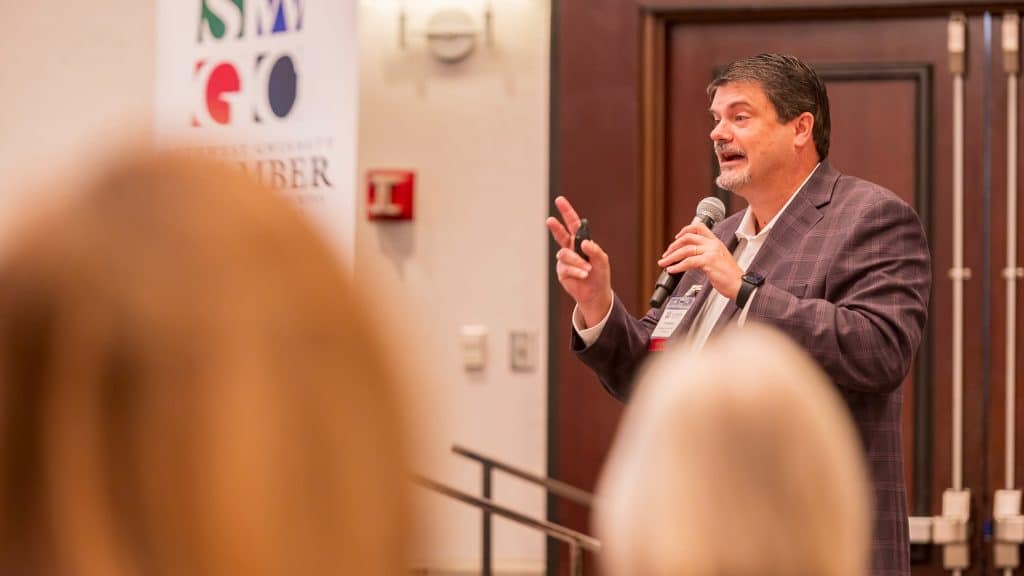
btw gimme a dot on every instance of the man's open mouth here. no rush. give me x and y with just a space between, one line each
727 156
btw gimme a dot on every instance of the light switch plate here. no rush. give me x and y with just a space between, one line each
522 350
474 347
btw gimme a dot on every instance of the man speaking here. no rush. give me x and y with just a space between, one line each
839 264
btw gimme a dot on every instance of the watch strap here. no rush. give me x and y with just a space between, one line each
746 289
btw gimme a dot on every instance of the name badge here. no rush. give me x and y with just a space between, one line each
675 310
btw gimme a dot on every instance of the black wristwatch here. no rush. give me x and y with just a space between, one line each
750 282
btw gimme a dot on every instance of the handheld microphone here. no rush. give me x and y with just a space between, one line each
709 212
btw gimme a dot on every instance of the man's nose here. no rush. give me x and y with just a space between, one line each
719 133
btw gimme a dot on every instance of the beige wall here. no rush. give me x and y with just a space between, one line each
78 78
75 77
476 133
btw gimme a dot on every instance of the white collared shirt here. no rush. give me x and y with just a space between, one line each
749 245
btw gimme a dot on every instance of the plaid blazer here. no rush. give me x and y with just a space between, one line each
848 276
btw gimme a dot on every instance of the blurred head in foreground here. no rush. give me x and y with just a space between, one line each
188 385
739 460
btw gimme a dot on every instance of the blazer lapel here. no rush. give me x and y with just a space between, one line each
787 232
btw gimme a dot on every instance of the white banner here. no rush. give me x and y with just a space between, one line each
270 84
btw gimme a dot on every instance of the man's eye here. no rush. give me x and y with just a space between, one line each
740 117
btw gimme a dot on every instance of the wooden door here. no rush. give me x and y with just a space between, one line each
631 150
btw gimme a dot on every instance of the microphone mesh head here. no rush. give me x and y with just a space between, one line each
711 208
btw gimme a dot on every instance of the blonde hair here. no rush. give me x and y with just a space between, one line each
740 460
190 385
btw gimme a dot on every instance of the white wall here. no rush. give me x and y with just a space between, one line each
476 133
77 77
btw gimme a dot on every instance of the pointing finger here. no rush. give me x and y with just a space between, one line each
558 232
569 215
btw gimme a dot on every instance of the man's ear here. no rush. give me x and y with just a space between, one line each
803 129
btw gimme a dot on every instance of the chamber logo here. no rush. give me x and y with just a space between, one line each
259 87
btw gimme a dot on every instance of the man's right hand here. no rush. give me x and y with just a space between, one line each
589 283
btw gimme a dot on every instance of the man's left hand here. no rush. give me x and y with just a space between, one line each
695 247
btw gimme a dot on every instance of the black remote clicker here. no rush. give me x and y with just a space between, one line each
582 233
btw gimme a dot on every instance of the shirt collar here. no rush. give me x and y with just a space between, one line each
745 231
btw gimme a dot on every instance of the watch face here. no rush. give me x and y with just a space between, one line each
755 279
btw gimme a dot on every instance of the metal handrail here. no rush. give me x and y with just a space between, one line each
567 491
487 466
575 540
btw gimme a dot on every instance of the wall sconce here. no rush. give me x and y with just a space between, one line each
451 34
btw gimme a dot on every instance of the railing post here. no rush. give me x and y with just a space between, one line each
575 559
486 570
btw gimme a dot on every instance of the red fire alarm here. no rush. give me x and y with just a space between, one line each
389 194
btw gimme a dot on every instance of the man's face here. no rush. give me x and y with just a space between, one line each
750 142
